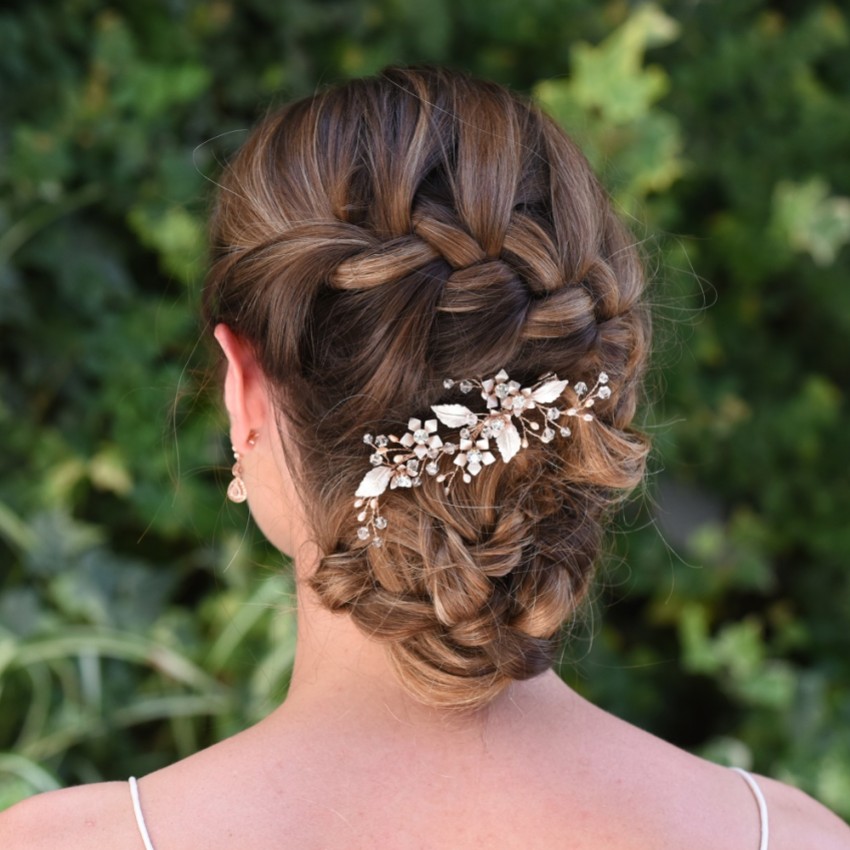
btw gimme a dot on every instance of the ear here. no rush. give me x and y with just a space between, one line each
245 390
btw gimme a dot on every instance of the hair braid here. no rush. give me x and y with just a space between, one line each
391 232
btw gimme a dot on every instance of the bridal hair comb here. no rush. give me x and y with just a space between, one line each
513 415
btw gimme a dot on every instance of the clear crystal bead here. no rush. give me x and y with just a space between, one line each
448 383
449 448
381 441
417 482
474 457
465 433
432 468
420 436
377 542
403 481
433 453
236 491
380 522
413 467
363 532
367 438
552 414
603 377
565 432
604 392
502 390
580 388
465 386
486 432
376 459
548 435
471 419
497 426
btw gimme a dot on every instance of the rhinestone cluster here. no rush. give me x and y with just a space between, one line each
514 414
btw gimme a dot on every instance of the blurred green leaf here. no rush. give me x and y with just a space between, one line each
811 219
608 102
175 234
610 77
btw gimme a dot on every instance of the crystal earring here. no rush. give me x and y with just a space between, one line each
236 490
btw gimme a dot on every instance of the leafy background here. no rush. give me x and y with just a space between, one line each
140 615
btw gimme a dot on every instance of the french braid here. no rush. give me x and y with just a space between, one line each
388 233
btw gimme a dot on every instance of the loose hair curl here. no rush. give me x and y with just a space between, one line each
380 236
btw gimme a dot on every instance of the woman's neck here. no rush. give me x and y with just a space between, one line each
336 663
338 669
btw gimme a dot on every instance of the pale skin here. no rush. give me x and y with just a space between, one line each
349 760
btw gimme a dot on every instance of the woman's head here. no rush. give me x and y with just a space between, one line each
383 235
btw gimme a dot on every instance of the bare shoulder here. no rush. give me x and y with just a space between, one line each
89 816
797 820
698 794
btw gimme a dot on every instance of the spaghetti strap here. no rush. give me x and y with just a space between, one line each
748 778
762 804
140 818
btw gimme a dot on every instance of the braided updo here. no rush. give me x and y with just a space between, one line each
380 236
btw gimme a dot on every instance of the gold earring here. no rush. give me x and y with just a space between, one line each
236 490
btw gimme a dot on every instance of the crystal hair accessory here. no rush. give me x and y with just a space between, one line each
514 414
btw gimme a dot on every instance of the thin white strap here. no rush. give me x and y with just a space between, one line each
140 818
762 803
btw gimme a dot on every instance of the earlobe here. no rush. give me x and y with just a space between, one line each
245 392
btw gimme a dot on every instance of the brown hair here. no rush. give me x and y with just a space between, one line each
380 236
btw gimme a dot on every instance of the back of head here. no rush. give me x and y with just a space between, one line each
386 234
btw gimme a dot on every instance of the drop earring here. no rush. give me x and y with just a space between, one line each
236 490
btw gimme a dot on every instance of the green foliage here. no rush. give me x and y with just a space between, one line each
609 101
807 219
140 620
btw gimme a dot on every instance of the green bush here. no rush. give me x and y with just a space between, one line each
141 618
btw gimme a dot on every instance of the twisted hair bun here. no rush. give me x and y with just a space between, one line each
388 233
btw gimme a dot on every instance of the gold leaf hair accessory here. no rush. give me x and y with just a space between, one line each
514 414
